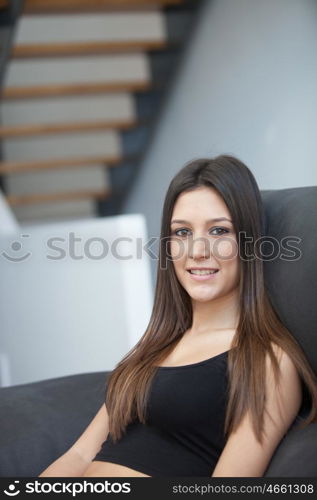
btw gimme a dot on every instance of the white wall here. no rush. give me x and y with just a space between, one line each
248 87
75 314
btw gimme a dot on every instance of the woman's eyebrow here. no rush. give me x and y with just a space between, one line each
217 219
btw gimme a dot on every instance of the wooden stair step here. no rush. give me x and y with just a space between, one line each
72 127
26 50
59 89
23 166
46 6
28 199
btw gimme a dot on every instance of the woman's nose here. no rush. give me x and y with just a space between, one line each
199 247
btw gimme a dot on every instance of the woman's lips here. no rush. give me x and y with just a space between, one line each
203 277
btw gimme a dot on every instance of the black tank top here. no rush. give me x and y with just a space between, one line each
184 434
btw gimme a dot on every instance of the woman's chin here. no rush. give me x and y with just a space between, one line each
202 297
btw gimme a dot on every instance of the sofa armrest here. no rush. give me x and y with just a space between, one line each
296 455
39 421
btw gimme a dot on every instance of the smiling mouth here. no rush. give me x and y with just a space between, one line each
206 272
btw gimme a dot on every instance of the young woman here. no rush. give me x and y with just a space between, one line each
216 380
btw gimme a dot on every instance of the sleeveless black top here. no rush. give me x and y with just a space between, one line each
183 435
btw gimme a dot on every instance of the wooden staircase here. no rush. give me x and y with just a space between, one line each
76 113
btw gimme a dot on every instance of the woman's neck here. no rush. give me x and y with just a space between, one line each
221 313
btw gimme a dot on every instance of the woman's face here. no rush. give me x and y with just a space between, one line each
202 236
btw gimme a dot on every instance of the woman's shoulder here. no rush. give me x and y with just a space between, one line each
277 351
286 364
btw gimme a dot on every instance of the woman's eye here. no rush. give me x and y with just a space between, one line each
219 231
178 231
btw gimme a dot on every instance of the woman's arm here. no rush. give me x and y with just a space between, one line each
71 464
242 455
75 461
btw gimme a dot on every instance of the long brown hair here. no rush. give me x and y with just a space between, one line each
259 325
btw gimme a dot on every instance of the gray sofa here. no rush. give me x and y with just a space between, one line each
40 421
